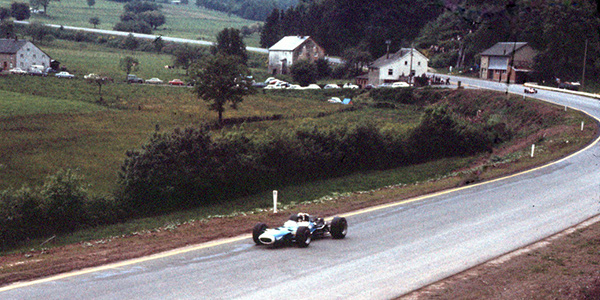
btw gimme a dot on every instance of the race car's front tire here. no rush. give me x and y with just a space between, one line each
338 228
259 229
303 237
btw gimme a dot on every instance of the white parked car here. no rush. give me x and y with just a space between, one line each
400 84
312 87
334 100
350 86
17 71
64 75
154 81
331 86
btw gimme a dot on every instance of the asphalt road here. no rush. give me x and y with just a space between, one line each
389 251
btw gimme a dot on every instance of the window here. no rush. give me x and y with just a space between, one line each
406 63
34 56
390 72
419 63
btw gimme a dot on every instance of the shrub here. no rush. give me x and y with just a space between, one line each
61 205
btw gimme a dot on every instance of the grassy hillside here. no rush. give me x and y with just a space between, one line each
49 123
185 21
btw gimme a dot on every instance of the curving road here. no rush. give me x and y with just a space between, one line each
389 250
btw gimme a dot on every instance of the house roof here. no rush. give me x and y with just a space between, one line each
289 43
11 46
393 57
504 48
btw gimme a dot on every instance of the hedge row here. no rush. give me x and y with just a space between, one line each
192 167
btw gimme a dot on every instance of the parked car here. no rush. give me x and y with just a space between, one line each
369 86
350 86
17 71
154 81
312 87
259 85
268 80
37 72
331 86
400 84
91 76
573 86
334 100
64 74
176 82
132 78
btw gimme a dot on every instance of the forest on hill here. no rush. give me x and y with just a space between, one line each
451 32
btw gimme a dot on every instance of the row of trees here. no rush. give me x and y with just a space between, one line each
247 9
558 29
18 10
141 17
338 25
452 33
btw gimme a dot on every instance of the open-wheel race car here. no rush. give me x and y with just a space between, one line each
299 229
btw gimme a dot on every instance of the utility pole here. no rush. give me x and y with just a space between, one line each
584 61
511 63
410 76
388 42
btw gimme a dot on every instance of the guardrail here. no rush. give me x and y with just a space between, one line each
542 87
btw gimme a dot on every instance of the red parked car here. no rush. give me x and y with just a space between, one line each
176 82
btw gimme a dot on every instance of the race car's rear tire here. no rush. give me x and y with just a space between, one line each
338 228
303 236
259 229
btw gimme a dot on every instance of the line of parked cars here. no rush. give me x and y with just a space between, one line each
273 83
132 78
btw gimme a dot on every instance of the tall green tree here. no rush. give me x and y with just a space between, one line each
153 18
37 31
230 43
220 80
185 55
4 13
95 21
128 64
20 11
40 3
130 42
7 29
271 32
304 72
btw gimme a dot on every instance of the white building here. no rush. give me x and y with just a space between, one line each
21 54
290 50
396 67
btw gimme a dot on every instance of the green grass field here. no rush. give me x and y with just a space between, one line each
49 124
184 21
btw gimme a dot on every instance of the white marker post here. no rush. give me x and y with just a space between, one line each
274 202
532 149
582 122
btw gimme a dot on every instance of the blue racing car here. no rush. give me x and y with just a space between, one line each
299 229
